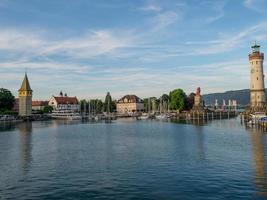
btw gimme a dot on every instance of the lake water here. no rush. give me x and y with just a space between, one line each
132 160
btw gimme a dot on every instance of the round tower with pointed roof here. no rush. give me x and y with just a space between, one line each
257 88
25 98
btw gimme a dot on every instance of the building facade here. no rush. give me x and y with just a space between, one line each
64 103
129 104
25 98
39 105
257 87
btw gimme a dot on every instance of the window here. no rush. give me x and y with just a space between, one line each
257 78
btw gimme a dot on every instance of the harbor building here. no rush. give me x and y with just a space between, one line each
257 87
129 104
39 105
64 103
25 98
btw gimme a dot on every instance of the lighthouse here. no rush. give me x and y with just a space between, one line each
257 88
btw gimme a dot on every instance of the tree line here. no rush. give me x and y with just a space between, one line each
175 100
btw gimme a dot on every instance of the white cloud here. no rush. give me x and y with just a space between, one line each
151 7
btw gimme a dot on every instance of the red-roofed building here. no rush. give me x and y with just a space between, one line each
39 105
64 103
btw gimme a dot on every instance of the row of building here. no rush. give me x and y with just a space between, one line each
25 106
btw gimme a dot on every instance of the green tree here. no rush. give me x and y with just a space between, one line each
96 106
7 100
177 99
109 105
83 105
164 101
47 109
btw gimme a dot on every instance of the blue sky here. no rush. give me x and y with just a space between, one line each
143 47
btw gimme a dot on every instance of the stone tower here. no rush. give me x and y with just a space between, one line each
25 98
257 88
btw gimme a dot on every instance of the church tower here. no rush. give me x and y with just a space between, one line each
25 98
257 88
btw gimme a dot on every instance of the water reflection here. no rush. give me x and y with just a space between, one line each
25 130
258 144
7 126
200 143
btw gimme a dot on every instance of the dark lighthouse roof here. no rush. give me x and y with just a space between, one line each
25 86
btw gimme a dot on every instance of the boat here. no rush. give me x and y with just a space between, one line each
66 114
7 118
257 117
161 116
144 116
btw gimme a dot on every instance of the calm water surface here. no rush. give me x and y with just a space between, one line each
132 160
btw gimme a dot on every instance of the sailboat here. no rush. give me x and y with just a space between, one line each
161 115
145 116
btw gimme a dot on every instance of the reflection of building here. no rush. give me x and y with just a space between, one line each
25 144
257 140
39 105
257 89
129 104
25 98
64 103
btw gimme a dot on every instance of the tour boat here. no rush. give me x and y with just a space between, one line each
66 114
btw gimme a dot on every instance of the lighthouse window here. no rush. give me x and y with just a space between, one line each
257 78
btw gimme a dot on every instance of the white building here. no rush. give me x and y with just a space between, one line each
129 104
64 103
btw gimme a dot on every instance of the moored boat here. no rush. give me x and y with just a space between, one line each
66 114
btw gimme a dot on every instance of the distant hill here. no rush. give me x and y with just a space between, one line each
242 97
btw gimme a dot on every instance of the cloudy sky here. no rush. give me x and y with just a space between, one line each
145 47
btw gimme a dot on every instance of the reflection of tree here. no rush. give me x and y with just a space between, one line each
7 126
257 140
25 144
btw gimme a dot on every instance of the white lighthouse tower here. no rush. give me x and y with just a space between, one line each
257 88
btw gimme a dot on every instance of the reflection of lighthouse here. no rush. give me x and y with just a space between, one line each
257 88
25 144
257 140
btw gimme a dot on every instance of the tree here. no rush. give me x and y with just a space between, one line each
164 101
109 105
96 106
190 99
177 99
83 105
7 100
47 109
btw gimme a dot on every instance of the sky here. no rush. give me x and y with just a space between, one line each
145 47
